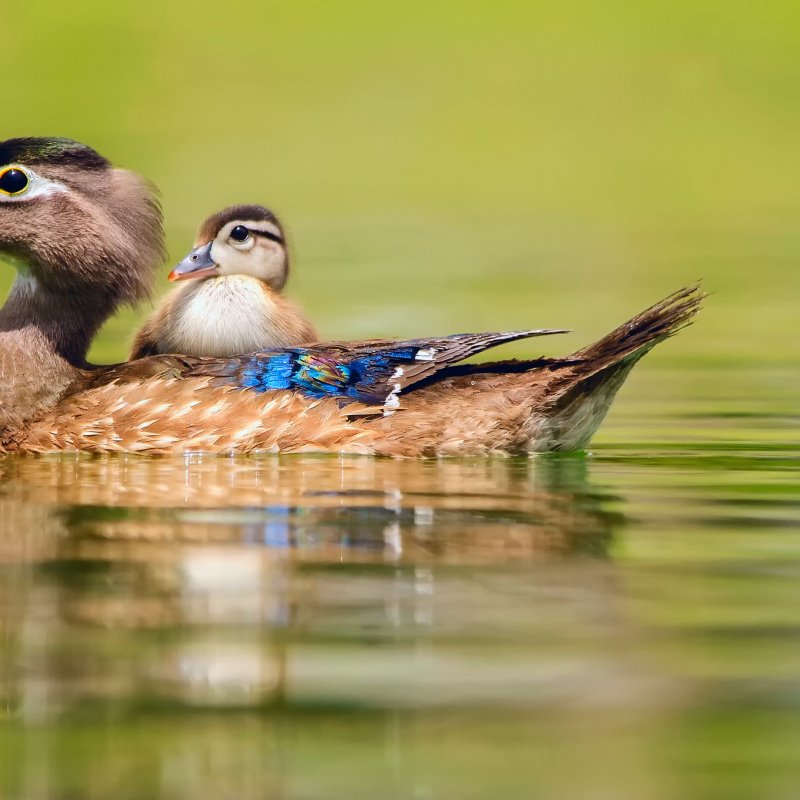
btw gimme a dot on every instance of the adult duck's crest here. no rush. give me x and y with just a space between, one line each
86 237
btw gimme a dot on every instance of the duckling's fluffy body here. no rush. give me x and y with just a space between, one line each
229 301
223 316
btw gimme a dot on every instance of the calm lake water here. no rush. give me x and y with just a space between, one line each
620 624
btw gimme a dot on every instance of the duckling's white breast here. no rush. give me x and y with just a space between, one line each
224 317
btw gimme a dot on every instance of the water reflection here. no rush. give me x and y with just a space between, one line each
304 627
250 582
321 508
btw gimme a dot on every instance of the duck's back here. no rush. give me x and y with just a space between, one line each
385 397
222 317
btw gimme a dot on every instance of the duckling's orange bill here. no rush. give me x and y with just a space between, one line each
198 264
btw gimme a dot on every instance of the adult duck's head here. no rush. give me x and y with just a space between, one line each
76 227
240 240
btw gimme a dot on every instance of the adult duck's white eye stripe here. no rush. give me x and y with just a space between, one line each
19 184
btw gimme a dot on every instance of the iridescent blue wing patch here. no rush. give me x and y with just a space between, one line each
370 372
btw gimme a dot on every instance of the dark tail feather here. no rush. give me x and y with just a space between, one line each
645 330
588 387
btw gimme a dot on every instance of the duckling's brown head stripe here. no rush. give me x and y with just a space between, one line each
244 214
54 151
273 237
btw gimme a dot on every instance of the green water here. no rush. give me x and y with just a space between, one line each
620 624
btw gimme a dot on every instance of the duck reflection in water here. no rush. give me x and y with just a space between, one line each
208 603
539 506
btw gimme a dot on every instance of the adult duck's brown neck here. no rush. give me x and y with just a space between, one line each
85 238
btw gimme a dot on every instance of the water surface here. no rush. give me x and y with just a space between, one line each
622 623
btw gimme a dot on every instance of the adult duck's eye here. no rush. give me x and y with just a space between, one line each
240 233
13 181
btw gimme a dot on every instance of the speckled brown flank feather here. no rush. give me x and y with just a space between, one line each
499 408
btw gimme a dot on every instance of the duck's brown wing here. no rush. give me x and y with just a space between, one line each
371 372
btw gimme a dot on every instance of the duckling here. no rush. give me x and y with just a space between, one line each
231 301
85 237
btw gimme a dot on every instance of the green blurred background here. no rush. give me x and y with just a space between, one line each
454 166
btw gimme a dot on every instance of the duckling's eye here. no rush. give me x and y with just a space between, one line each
240 234
13 181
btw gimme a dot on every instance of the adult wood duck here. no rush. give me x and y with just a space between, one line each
86 237
230 301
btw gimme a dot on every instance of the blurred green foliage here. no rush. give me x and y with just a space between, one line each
454 165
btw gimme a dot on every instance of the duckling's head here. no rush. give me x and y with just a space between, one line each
240 240
74 224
